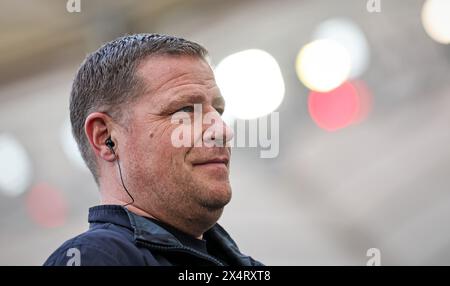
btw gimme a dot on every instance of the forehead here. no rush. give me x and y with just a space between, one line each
175 74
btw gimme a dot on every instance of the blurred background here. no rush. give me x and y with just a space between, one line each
363 94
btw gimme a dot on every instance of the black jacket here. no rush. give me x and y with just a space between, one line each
117 236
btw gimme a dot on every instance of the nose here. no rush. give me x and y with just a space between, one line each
215 131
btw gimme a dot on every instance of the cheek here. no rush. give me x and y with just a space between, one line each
155 148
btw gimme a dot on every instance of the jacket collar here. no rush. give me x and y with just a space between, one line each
147 231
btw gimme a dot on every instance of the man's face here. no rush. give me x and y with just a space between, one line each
168 181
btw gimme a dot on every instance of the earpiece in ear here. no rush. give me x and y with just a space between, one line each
109 143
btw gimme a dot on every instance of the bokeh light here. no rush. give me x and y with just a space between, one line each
15 166
70 147
365 101
46 206
436 20
351 37
335 109
251 83
323 65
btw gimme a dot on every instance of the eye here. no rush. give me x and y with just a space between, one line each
188 108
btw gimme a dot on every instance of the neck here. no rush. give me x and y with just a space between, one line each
140 212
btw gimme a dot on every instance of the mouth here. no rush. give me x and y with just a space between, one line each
213 162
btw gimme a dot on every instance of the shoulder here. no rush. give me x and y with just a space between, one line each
107 245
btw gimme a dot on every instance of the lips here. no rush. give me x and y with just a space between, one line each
217 160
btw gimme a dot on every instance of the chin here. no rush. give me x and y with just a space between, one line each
216 198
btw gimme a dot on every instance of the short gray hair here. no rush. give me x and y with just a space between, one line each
107 79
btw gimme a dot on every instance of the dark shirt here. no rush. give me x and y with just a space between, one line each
117 236
186 239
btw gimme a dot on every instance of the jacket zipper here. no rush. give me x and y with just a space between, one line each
182 249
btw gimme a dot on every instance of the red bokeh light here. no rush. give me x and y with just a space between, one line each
46 206
335 109
365 101
348 104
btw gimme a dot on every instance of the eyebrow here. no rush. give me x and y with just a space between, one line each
220 101
194 97
184 97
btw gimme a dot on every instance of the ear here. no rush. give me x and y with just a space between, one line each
98 127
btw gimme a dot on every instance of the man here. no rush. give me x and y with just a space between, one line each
159 202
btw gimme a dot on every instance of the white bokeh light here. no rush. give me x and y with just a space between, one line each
70 147
351 37
15 166
436 20
323 65
251 83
